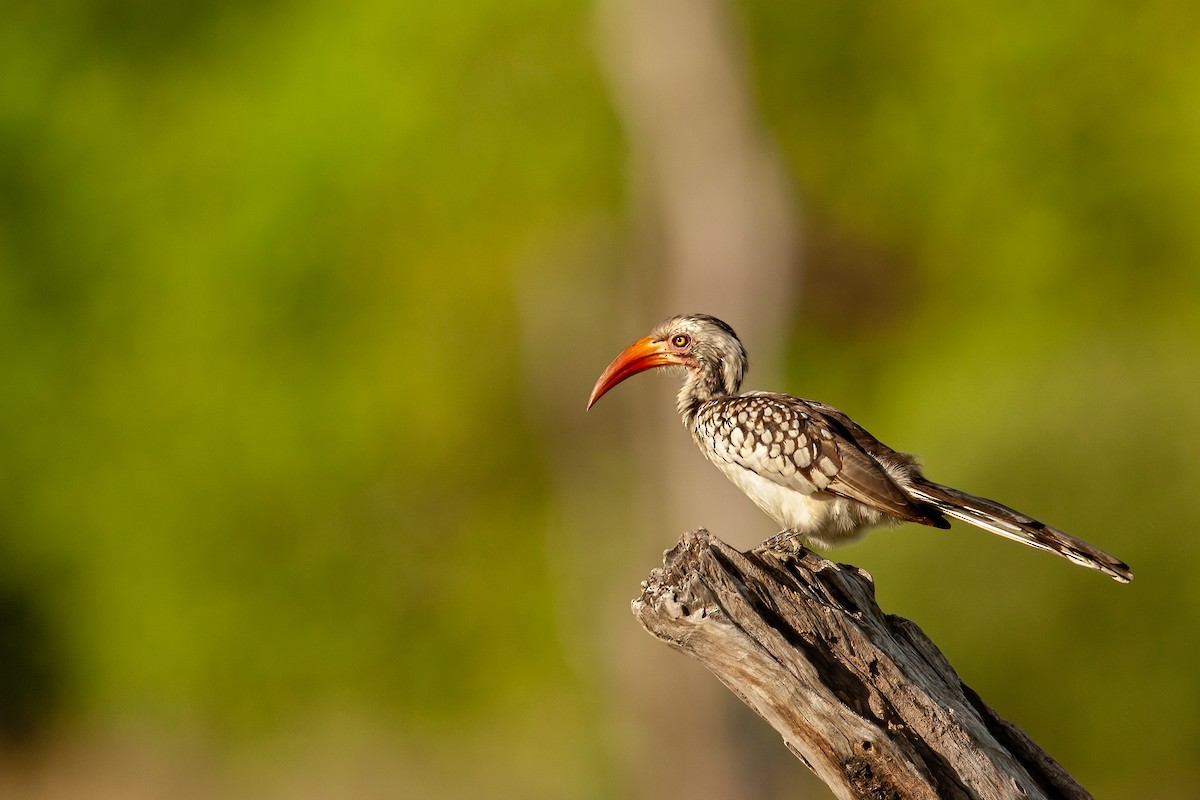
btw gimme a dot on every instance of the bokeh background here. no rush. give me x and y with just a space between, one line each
300 303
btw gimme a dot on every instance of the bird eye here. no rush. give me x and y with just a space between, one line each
680 340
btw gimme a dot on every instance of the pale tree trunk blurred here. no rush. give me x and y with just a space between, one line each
717 233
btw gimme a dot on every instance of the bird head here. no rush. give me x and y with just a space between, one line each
704 346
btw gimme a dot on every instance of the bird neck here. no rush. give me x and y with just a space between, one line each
700 386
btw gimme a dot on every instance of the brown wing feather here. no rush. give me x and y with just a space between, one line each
862 478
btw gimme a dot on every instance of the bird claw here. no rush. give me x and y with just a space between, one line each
787 541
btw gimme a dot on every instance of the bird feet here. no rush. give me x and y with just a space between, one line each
787 541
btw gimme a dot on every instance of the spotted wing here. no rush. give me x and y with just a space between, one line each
800 445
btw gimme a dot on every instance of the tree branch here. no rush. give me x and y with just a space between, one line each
863 698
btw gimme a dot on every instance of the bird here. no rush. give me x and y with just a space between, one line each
810 467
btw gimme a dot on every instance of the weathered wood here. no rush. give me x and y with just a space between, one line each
863 698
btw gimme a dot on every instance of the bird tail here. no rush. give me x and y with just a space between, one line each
1004 521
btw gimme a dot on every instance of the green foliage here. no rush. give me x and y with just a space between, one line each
257 329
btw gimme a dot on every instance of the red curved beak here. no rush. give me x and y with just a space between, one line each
640 356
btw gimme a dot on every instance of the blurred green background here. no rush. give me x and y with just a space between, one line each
300 303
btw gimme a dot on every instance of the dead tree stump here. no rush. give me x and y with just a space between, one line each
863 698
